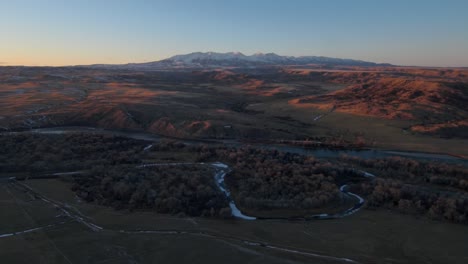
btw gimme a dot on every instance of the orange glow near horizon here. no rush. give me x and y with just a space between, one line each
60 59
74 32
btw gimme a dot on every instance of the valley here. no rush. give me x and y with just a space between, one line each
270 164
237 132
59 189
275 104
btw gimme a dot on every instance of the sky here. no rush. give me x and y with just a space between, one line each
76 32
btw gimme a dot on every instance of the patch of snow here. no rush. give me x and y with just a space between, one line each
148 147
68 173
252 243
310 254
318 117
220 165
367 174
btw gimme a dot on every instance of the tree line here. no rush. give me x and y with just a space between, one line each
260 179
433 189
182 189
269 179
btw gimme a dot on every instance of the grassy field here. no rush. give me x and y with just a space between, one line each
205 105
211 104
366 237
379 133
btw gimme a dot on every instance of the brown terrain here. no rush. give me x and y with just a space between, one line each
410 108
128 199
436 98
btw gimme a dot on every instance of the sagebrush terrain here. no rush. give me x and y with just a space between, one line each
270 164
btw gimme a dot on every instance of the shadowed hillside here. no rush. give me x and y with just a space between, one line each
435 102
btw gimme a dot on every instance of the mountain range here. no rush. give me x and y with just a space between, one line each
237 59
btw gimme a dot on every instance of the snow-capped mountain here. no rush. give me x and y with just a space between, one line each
237 59
229 57
211 56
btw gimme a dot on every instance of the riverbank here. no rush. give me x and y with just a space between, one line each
317 152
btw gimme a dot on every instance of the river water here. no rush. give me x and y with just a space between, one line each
318 152
222 169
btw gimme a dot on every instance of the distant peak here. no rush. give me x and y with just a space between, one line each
270 54
236 58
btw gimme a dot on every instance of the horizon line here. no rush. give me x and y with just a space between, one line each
6 64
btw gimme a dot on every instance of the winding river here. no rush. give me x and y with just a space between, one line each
222 169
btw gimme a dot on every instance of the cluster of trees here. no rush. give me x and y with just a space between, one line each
437 190
267 184
39 154
111 176
335 140
269 179
412 199
260 179
441 175
182 189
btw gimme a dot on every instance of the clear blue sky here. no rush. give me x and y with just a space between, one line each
64 32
